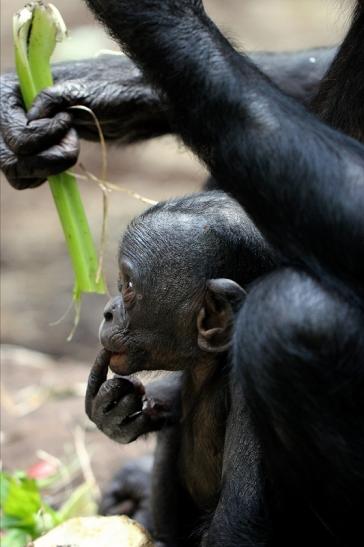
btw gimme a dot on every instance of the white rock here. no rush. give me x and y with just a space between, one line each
96 532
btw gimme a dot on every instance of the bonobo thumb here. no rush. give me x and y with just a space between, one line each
57 98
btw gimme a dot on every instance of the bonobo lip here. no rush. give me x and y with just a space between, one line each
119 363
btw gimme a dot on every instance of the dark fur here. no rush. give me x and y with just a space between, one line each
172 251
298 354
299 348
128 108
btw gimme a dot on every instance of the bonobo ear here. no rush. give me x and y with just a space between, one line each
215 319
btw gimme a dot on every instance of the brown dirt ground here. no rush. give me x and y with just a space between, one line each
36 279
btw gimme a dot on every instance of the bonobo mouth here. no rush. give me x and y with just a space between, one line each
119 363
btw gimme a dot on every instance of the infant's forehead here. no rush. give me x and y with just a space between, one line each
188 231
176 227
166 242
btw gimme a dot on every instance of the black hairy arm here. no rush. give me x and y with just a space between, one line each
111 86
299 180
127 106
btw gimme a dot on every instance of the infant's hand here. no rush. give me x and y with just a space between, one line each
116 405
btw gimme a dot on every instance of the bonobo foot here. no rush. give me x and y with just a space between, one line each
129 493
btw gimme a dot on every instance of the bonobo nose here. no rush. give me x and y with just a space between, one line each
113 325
114 310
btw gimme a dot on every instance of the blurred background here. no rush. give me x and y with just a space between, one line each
43 375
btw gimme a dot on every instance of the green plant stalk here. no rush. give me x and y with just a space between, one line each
36 30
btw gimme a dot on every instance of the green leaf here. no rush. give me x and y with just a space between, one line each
36 29
4 486
7 523
23 508
25 515
21 501
15 538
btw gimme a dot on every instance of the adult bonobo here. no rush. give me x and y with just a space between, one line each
299 341
127 106
299 347
182 265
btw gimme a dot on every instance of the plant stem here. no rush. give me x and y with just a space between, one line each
36 29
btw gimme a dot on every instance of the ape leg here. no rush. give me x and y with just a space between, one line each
299 350
129 492
242 517
174 514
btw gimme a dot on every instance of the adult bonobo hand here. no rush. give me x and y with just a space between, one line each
32 150
45 142
123 408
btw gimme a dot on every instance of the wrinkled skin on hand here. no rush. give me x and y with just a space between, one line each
45 141
31 151
123 408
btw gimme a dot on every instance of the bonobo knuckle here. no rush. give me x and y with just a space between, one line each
10 94
7 159
126 435
11 133
16 177
74 91
71 148
62 94
51 95
107 388
107 422
115 385
74 150
61 122
112 427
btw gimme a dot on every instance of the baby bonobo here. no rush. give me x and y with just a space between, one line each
184 269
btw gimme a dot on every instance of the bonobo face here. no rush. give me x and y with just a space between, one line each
151 324
169 313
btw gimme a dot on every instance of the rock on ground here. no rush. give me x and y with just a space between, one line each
96 532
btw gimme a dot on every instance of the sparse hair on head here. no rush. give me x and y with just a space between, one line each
220 232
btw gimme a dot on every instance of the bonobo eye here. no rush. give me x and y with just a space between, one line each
128 292
128 287
125 286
